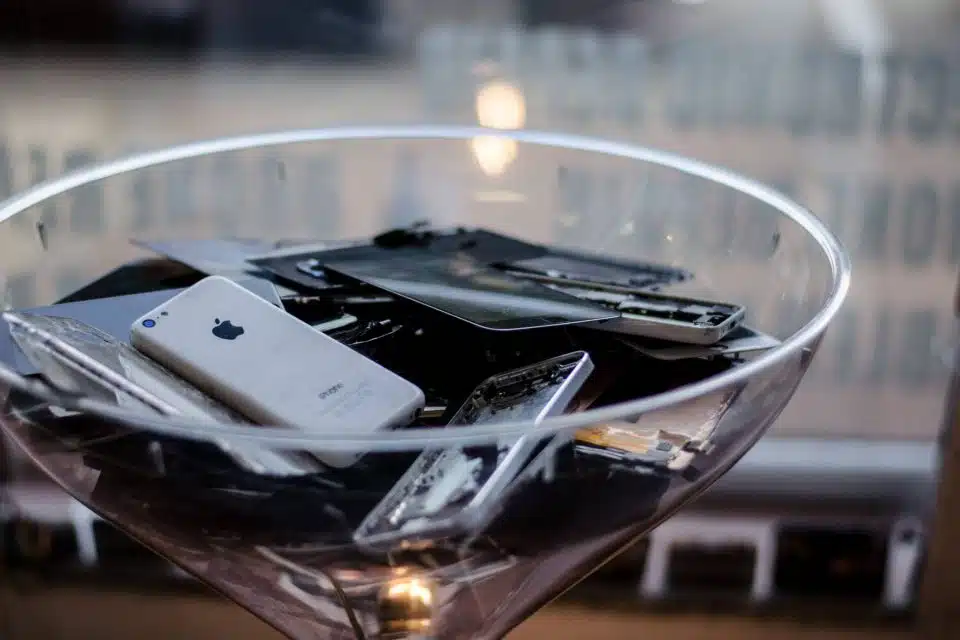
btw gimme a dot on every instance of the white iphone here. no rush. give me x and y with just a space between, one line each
272 367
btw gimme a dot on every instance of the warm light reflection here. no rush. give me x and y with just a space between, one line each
494 154
414 591
406 605
499 106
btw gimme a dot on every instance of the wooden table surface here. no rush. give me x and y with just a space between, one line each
78 614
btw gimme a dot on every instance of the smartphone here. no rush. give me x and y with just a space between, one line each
78 357
304 265
218 256
272 367
566 267
741 340
455 491
462 287
138 277
111 315
659 316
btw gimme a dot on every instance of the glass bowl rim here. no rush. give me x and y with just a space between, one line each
420 437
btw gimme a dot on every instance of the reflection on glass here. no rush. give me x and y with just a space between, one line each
493 154
499 106
406 605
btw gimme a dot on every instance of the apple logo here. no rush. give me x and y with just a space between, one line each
226 330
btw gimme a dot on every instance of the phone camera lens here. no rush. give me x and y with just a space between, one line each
149 323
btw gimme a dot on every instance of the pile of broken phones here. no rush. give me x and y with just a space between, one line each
492 329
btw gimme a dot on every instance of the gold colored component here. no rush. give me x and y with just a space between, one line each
623 436
406 604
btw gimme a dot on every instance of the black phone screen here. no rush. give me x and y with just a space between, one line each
459 285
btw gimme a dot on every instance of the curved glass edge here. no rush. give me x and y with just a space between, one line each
418 438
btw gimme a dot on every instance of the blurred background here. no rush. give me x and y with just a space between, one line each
850 106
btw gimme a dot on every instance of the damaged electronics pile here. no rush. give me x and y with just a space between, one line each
444 329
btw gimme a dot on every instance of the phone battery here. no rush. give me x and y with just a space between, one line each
456 491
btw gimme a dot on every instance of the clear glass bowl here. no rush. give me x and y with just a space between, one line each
283 549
